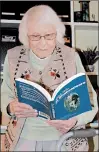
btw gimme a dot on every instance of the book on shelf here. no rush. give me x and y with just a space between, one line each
70 98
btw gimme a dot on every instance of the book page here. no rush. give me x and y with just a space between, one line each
73 99
65 83
37 86
31 95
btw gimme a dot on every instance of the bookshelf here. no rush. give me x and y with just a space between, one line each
82 35
80 25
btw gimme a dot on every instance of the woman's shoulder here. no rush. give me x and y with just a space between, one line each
67 52
65 48
16 50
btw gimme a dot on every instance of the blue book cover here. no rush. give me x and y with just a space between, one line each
70 98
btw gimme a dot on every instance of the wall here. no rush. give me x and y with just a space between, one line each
86 37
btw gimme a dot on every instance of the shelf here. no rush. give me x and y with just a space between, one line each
19 21
81 24
85 24
65 23
10 21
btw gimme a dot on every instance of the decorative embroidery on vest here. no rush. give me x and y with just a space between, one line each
14 122
7 144
40 72
58 51
22 52
54 73
45 86
26 74
10 131
10 136
61 58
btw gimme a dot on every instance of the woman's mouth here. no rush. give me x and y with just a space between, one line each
43 49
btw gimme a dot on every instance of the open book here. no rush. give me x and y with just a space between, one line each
70 98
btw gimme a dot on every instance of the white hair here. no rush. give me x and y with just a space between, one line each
43 14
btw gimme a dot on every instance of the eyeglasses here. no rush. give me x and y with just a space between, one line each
46 37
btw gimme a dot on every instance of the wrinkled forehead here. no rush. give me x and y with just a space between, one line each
40 27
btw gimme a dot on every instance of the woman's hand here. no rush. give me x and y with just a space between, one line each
62 125
22 110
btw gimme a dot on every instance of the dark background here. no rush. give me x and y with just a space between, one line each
17 7
61 7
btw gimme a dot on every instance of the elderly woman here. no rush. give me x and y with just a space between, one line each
41 32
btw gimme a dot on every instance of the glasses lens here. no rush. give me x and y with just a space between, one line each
38 37
50 36
34 37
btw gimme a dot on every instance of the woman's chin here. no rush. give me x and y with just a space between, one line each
43 55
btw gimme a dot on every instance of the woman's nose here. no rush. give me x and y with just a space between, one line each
42 42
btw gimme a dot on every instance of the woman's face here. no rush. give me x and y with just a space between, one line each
42 39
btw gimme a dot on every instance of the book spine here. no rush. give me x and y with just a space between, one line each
52 110
43 115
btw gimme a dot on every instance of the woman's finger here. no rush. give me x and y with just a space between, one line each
62 125
55 123
19 109
26 112
62 122
62 130
25 106
27 115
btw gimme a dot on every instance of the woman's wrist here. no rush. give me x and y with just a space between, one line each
9 111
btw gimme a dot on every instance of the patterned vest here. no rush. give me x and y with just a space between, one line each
60 67
61 64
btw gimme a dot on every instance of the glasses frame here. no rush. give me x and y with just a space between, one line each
30 37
